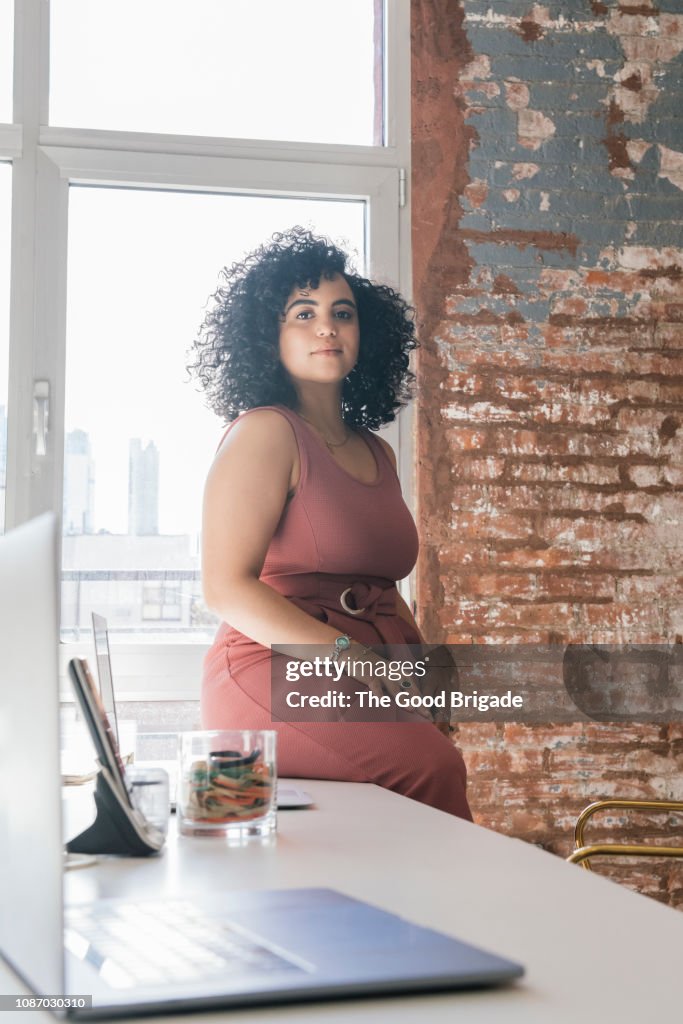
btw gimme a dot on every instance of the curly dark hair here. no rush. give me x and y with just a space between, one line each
236 355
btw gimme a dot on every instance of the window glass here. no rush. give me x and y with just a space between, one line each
6 58
5 236
139 441
301 70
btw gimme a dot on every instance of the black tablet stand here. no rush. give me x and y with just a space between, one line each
117 828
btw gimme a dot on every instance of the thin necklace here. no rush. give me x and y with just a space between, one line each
331 445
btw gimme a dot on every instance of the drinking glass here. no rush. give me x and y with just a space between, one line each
227 783
151 794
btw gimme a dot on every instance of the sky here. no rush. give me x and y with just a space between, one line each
142 264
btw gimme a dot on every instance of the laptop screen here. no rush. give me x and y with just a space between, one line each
30 790
104 673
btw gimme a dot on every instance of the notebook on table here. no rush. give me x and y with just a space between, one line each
243 948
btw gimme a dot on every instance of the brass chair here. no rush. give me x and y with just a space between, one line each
582 852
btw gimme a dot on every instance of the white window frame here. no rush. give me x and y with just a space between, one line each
47 160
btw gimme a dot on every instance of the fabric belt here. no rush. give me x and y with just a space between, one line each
364 607
363 598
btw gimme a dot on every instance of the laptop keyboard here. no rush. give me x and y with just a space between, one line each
157 943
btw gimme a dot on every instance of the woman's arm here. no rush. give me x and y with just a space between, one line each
245 495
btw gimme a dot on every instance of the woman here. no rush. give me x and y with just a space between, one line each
305 531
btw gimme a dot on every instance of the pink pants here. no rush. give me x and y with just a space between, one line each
413 759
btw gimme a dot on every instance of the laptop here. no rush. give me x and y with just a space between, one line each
237 949
105 678
154 748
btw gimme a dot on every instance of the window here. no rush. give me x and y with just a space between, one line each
132 496
162 602
134 191
6 63
302 70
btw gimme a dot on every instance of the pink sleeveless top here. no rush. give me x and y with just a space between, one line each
339 547
337 525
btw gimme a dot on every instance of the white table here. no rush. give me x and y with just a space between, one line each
593 950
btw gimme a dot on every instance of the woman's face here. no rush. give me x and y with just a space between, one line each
319 335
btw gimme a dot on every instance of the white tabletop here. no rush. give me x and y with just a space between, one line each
593 950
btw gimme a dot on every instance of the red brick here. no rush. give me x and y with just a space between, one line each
597 360
494 584
628 620
491 524
668 393
574 587
671 25
656 585
508 440
672 621
467 499
527 499
471 614
672 475
585 335
669 336
595 534
550 458
553 441
645 476
465 553
585 473
480 469
467 439
476 192
504 635
534 558
466 383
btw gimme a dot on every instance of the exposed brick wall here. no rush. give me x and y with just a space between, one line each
548 267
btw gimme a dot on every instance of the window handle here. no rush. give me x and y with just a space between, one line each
41 415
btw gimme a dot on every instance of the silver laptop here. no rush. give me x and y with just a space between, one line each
244 948
154 748
105 678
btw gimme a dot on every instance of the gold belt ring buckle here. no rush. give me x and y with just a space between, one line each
343 602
